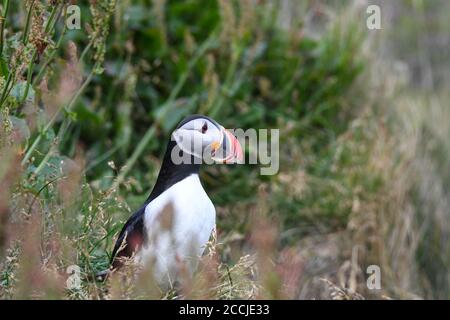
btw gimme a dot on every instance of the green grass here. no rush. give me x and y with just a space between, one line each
85 116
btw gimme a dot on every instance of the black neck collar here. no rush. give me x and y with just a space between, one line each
171 173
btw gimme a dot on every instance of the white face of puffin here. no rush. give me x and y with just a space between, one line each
208 141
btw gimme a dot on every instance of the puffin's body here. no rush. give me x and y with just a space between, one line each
171 229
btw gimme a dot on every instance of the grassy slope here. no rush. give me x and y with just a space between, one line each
362 178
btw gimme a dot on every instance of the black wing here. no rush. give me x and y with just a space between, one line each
131 238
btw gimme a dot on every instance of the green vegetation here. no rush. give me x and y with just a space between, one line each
86 114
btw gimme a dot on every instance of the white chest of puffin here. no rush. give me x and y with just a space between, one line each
182 240
173 226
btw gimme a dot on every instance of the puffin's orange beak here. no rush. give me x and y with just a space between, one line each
236 156
229 150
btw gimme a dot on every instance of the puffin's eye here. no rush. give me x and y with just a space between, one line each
205 127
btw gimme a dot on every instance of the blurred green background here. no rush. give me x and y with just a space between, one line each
363 116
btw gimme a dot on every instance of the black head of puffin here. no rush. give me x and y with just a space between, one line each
201 136
193 117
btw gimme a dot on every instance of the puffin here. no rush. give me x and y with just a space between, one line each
171 229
